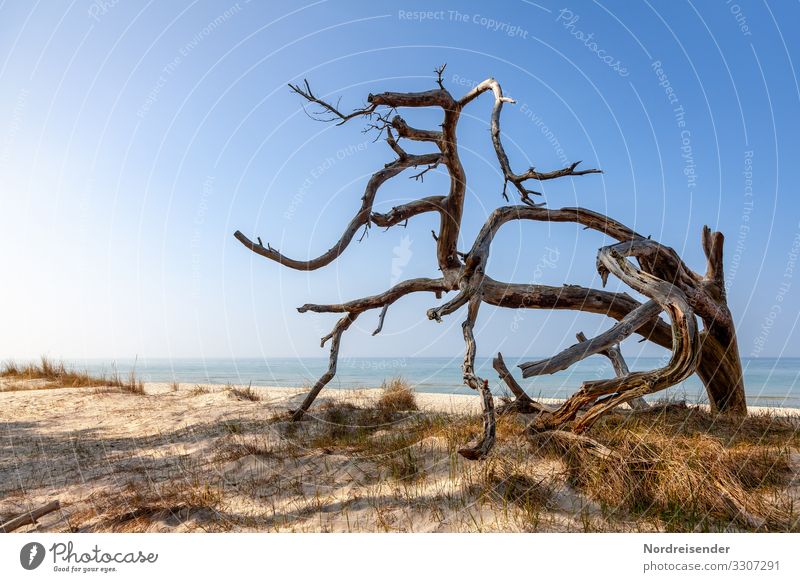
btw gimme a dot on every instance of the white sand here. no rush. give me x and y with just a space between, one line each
433 402
197 459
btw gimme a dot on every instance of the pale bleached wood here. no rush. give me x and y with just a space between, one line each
480 449
522 403
601 344
662 275
29 517
604 395
614 354
335 336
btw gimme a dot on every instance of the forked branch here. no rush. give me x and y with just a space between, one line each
517 180
604 395
361 219
661 275
306 93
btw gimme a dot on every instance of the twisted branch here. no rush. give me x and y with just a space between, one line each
604 395
522 403
604 342
662 275
481 448
614 353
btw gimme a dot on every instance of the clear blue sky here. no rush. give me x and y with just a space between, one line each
135 137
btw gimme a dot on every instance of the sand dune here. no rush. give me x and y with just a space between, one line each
199 458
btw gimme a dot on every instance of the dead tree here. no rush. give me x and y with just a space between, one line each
659 274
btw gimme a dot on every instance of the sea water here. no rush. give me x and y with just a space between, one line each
768 381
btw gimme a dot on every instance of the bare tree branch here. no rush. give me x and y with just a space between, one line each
403 212
336 335
607 394
361 218
662 275
406 131
522 403
614 353
327 107
518 180
434 98
480 449
439 72
573 297
374 301
29 517
643 314
381 317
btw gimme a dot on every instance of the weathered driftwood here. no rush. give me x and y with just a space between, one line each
522 403
604 395
564 440
662 276
335 336
602 344
486 442
29 517
614 354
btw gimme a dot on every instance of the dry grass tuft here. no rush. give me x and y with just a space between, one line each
397 396
198 390
56 374
761 467
402 465
142 505
340 426
510 482
240 393
131 384
685 468
51 374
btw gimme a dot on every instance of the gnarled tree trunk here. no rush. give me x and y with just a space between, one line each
661 275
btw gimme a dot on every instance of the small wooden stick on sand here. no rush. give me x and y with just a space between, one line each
29 517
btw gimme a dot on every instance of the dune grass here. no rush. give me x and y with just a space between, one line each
199 390
681 469
48 374
242 393
396 396
685 469
363 465
141 503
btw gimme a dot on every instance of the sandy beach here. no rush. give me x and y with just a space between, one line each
214 458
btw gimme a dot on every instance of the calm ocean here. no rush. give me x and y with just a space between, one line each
768 381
